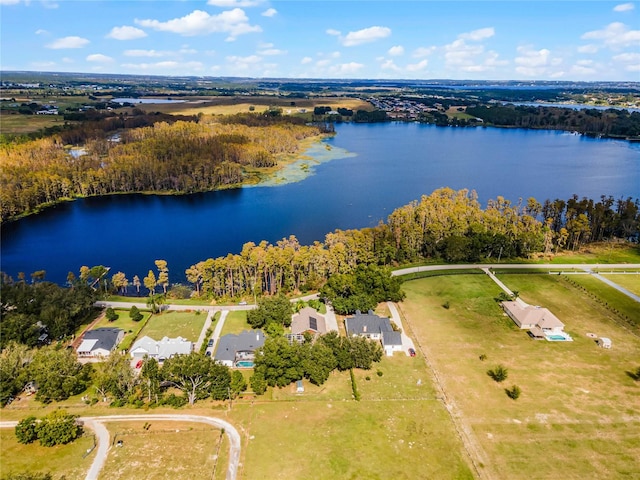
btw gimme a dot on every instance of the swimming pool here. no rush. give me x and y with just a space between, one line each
244 364
557 338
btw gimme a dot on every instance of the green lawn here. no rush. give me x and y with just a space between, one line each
629 281
187 325
59 460
131 328
235 322
577 415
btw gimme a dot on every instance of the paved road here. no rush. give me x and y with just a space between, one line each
203 332
102 437
573 268
216 331
407 343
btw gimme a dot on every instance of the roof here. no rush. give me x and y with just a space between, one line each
247 341
532 315
391 338
105 338
367 323
165 348
308 319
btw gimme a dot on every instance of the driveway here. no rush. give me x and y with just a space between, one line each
407 343
102 437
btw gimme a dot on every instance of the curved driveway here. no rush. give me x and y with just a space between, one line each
102 437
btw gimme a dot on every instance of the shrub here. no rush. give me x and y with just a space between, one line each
513 392
446 305
26 430
379 373
111 314
135 314
482 357
499 373
58 428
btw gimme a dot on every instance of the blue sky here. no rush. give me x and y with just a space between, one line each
485 40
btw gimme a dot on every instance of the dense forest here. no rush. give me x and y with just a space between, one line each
181 157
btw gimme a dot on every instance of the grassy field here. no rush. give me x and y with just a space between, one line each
235 322
17 124
628 281
187 325
577 416
159 452
59 460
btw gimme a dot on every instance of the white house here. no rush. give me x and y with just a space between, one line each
100 342
160 350
540 322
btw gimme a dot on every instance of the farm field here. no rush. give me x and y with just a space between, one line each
577 415
629 281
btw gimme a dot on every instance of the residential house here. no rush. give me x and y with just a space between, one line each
100 342
307 320
540 322
374 327
162 349
239 350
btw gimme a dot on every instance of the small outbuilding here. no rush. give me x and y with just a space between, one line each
604 342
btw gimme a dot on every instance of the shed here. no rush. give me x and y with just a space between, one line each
299 387
604 342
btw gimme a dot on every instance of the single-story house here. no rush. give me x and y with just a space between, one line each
373 327
540 322
391 342
367 325
100 342
239 350
307 320
162 349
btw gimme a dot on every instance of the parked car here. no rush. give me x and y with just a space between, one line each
412 352
208 354
242 303
210 344
139 364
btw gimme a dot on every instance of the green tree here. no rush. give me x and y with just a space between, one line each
275 310
111 314
27 430
135 314
58 374
150 378
58 428
258 383
14 360
150 282
115 377
192 374
238 383
163 274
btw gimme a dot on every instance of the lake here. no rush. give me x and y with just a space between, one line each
388 166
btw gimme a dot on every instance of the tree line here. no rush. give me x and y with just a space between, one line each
447 225
181 157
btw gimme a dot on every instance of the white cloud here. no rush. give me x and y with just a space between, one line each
366 35
233 22
99 57
271 52
67 60
9 2
390 65
588 49
477 35
250 59
615 35
624 7
234 3
164 67
396 51
331 31
68 42
323 63
345 68
269 12
145 53
126 32
41 31
306 60
416 67
423 52
49 4
533 62
630 61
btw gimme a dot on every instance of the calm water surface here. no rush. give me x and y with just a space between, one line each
394 164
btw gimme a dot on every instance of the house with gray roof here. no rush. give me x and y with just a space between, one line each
373 327
100 342
239 350
162 349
